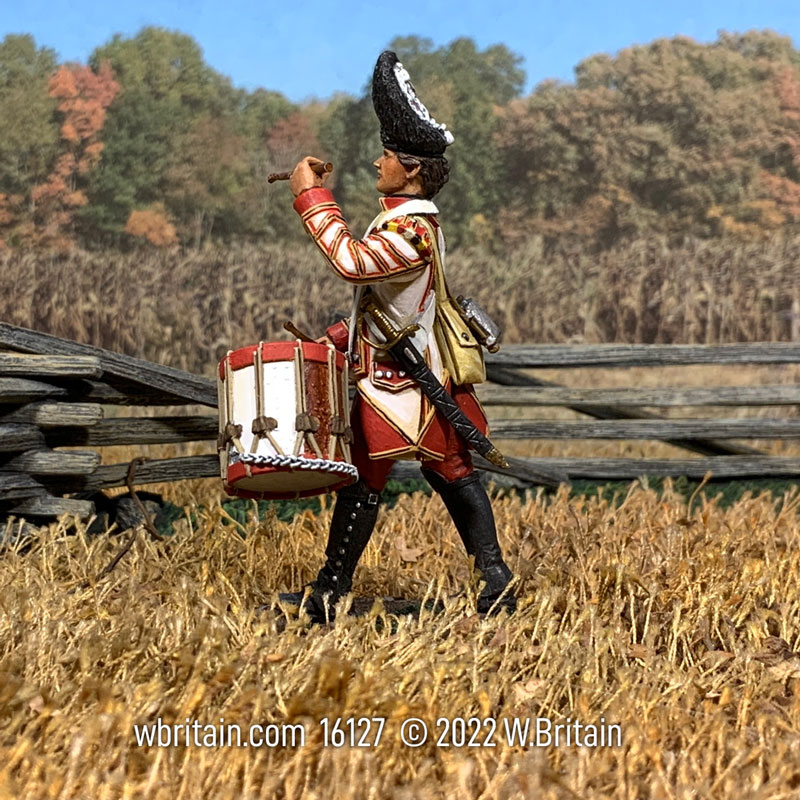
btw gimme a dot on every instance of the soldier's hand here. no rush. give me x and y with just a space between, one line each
303 177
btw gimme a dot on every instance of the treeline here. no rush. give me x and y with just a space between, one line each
148 143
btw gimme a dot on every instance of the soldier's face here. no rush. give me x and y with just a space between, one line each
392 175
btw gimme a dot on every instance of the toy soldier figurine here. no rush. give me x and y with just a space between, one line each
397 272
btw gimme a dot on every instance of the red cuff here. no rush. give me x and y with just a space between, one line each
312 197
339 334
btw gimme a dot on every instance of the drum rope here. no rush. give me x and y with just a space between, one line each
296 462
233 432
222 450
259 397
341 432
306 424
300 396
333 401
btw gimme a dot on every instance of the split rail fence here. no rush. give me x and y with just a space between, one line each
54 392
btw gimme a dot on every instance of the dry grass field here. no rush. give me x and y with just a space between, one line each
679 625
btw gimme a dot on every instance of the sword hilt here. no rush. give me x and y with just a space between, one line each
385 325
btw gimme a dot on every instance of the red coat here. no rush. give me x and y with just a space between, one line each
395 260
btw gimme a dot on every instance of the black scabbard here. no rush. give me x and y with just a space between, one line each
400 346
406 354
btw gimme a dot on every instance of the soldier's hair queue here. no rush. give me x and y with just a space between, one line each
435 172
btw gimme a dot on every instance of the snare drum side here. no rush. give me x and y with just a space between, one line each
284 398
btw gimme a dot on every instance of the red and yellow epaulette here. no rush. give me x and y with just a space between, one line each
412 232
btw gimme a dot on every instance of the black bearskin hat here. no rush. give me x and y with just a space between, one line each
406 125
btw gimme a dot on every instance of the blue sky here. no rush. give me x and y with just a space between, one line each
314 48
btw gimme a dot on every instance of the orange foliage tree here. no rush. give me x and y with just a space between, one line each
152 225
673 137
775 146
84 96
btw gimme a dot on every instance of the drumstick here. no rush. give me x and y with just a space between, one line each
298 334
318 168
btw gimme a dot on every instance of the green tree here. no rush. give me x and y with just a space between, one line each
350 137
463 87
166 88
268 206
258 209
207 174
259 111
29 133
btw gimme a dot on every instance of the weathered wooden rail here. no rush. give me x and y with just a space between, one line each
54 392
643 355
618 413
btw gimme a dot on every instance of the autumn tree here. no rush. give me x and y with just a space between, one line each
777 185
152 225
674 136
83 96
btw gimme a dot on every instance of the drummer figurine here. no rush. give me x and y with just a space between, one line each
395 268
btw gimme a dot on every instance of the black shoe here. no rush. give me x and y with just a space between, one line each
354 517
471 511
291 598
313 600
496 595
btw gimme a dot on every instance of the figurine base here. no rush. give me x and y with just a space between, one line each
362 607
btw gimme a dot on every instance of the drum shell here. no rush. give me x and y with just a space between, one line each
306 377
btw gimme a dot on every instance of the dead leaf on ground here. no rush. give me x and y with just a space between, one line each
408 554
